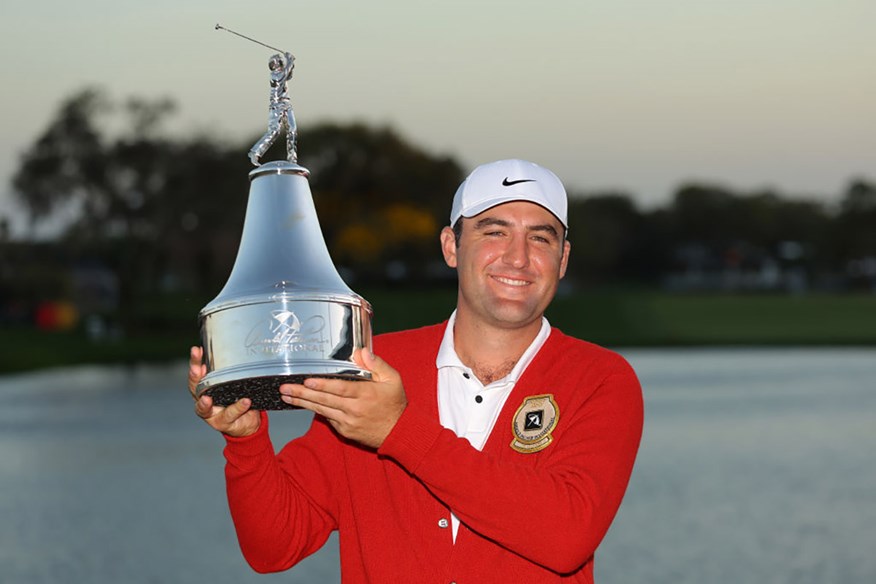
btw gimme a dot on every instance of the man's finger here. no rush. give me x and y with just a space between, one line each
237 409
329 393
196 355
318 409
338 387
197 370
204 407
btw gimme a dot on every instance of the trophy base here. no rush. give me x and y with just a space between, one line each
263 391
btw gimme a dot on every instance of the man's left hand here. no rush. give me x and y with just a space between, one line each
363 411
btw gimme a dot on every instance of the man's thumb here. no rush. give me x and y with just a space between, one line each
376 365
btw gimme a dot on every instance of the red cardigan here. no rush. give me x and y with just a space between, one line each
525 516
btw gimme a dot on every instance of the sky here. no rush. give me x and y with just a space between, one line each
632 96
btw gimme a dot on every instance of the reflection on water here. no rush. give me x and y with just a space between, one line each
756 466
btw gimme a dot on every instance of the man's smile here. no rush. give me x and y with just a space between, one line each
511 281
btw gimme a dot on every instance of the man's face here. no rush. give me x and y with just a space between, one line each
509 261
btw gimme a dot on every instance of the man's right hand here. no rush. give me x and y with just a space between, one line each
236 420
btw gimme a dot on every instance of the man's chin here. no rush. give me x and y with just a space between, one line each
513 315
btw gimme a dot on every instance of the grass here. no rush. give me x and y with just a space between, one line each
27 349
614 318
652 318
624 317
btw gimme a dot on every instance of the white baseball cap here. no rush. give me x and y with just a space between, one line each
504 181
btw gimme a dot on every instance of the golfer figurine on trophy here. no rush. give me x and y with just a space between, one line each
280 111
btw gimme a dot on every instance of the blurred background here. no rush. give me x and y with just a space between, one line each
720 163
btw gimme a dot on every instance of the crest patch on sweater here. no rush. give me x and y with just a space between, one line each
533 423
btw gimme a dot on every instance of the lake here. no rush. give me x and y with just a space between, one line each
757 465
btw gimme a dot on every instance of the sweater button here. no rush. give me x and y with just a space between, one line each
443 523
479 398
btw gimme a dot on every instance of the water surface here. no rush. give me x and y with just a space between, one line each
756 466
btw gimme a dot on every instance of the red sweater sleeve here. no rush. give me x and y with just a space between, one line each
554 513
282 506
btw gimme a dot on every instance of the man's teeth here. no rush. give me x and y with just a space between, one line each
511 282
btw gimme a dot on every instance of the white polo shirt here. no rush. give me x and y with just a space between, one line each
465 405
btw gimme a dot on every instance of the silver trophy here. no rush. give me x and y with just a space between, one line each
285 314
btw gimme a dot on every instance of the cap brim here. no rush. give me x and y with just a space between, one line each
482 206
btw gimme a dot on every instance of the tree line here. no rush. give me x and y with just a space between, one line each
160 210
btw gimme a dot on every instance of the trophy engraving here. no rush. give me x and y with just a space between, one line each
285 333
284 314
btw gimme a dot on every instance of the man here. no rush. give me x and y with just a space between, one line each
490 448
279 111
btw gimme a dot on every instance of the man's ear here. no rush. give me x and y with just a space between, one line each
448 246
564 262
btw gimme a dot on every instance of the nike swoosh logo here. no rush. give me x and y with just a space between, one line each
508 183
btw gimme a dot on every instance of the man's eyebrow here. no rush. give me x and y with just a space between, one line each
495 221
488 221
545 227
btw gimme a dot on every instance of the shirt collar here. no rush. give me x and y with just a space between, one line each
447 356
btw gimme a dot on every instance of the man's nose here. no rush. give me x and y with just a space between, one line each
517 252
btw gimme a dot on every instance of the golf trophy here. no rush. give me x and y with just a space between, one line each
284 314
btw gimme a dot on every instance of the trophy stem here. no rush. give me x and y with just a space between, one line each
285 314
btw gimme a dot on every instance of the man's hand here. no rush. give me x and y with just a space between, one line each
235 420
364 411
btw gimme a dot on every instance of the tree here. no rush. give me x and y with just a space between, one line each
381 200
611 240
129 189
854 232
